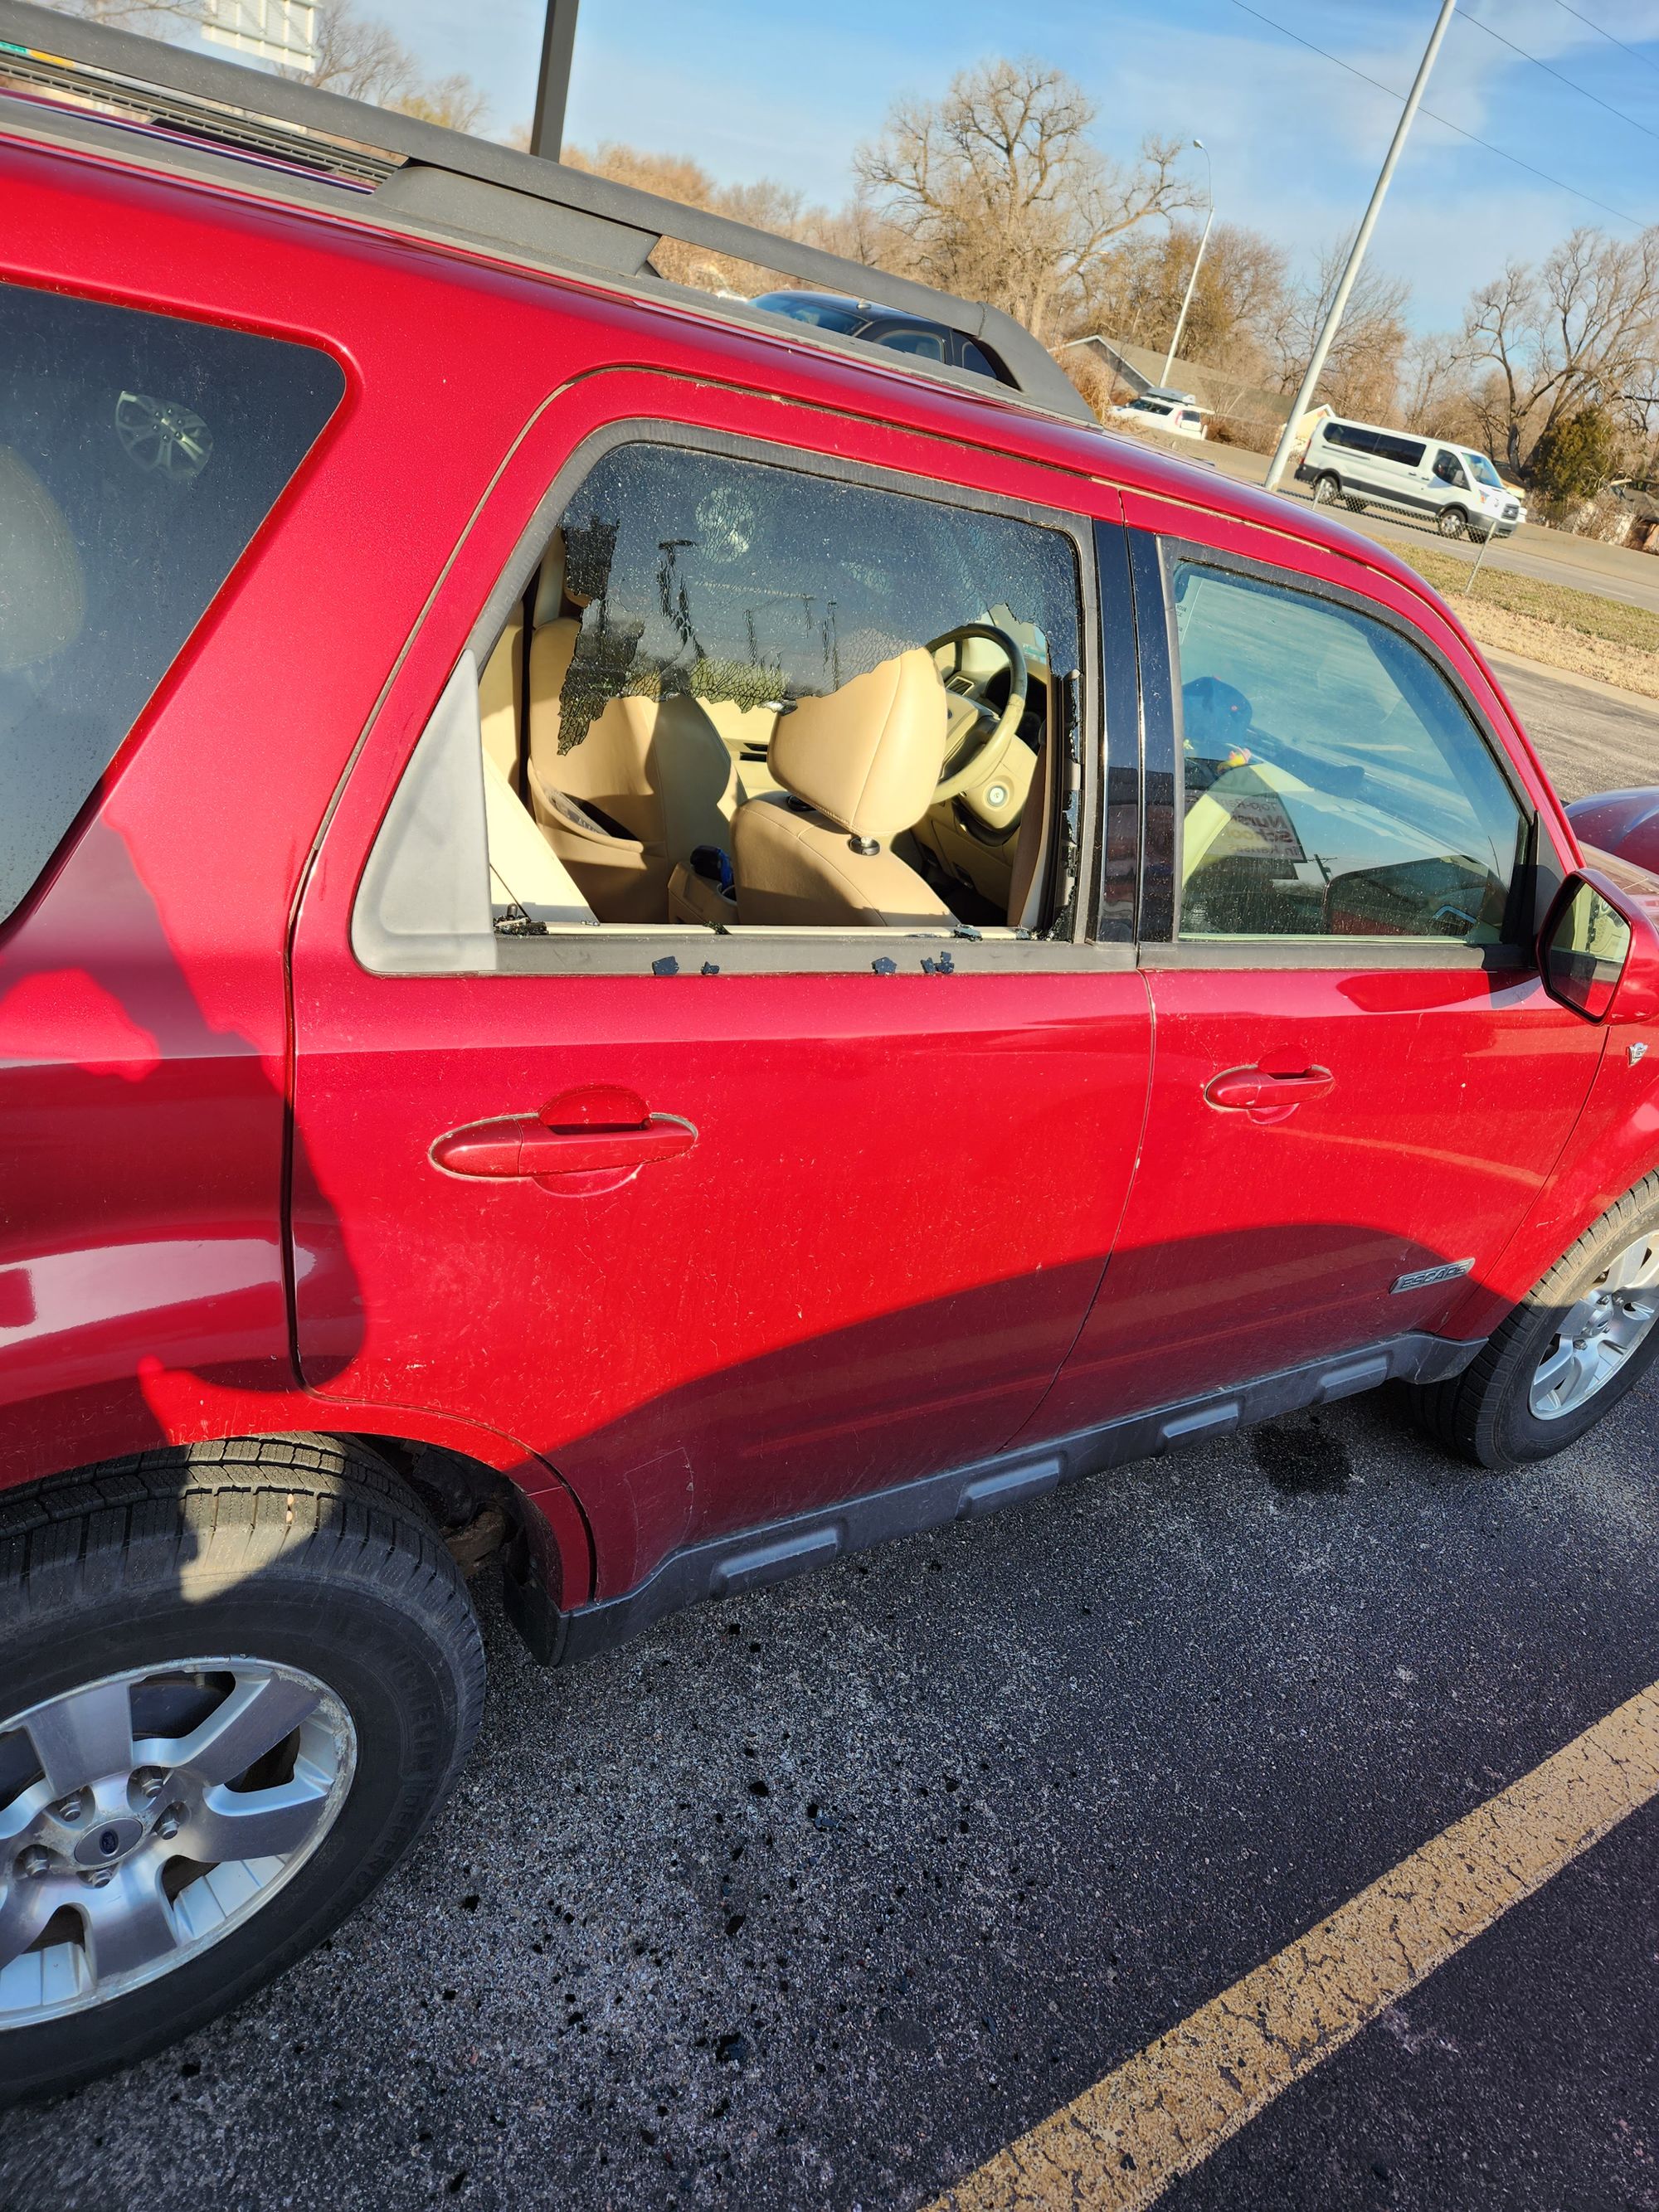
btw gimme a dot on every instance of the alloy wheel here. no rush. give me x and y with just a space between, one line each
143 1815
1598 1334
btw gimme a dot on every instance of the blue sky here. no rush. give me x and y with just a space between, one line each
752 88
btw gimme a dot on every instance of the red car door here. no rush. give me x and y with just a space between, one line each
1360 1083
892 1166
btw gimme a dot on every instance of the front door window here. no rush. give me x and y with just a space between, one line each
1335 786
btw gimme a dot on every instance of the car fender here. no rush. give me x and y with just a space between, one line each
1614 1142
1621 824
158 1403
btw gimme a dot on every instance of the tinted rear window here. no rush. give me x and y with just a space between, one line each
138 455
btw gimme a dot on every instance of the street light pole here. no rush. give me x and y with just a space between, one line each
553 84
1362 240
1198 262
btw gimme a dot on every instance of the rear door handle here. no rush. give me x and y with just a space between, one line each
1265 1095
581 1143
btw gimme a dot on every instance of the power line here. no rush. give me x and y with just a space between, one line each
1582 90
1609 36
1502 151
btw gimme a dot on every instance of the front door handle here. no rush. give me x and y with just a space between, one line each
580 1144
1264 1095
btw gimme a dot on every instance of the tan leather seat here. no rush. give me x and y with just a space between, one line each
856 767
526 877
648 780
1028 888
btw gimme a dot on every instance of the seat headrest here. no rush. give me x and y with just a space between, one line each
869 755
43 591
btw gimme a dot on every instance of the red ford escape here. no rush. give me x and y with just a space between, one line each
642 943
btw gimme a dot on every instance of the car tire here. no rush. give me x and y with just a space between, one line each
1328 489
125 1594
1452 522
1503 1411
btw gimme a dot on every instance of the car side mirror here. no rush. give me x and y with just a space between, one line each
1584 947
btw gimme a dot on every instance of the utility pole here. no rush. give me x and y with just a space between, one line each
1362 240
1198 263
553 85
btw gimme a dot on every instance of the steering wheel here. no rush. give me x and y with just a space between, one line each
978 735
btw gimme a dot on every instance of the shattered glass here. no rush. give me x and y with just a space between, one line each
728 580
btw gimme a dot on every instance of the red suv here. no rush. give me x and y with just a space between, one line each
643 943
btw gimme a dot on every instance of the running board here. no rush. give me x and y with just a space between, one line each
727 1566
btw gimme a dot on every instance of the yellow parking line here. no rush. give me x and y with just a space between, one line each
1121 2144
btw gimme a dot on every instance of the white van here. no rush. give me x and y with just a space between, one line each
1456 489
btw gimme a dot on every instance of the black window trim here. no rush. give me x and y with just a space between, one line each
1539 873
624 949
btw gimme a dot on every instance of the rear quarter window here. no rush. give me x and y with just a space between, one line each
138 455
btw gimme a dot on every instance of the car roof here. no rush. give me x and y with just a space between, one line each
319 148
958 402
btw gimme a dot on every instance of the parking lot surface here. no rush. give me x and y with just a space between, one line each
824 1895
821 1896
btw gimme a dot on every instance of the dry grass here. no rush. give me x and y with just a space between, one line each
1549 623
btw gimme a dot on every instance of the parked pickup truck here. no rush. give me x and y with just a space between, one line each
641 944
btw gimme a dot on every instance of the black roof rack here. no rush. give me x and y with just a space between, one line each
417 177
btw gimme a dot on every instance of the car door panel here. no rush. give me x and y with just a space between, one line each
1251 1245
867 1266
845 1282
1447 1085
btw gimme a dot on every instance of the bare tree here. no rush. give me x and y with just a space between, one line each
1134 293
358 55
455 102
996 191
766 204
152 17
1362 370
1580 330
1436 387
361 57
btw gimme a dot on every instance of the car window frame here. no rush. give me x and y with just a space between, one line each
660 947
1159 941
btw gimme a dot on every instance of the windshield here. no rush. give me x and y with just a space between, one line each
1483 471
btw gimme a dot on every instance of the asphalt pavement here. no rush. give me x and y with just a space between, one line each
820 1896
1591 737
